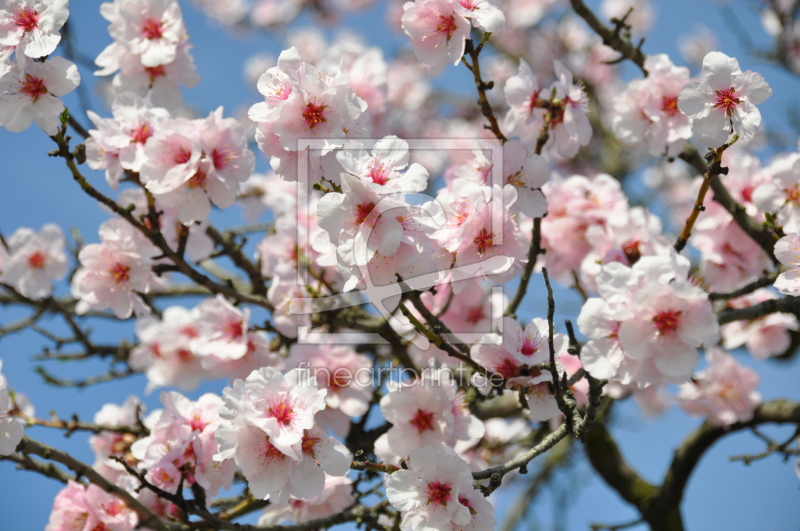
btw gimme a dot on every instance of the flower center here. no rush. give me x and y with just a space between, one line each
152 29
141 133
155 71
362 211
33 87
120 273
669 105
182 156
26 18
36 260
507 368
447 25
198 180
234 330
309 444
314 115
439 493
483 240
423 421
667 322
530 345
727 100
282 412
269 453
220 158
196 423
378 172
475 315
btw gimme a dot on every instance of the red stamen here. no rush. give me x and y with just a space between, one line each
36 260
120 273
438 493
314 115
33 87
667 322
27 18
423 421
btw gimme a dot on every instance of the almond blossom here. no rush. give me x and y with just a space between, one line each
426 413
181 445
115 271
764 337
35 260
84 508
648 112
787 251
434 493
11 431
165 350
32 25
725 393
30 92
724 101
281 406
571 124
335 497
273 475
483 14
151 29
648 323
380 169
438 31
150 50
118 143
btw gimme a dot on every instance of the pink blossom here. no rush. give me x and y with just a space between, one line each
30 92
181 445
114 272
730 258
625 238
779 191
429 494
223 329
787 251
346 375
335 497
165 350
524 118
118 143
483 14
764 337
172 157
724 101
438 31
725 393
647 111
88 508
32 25
571 126
271 474
11 431
649 323
281 406
35 260
380 169
160 84
427 413
151 29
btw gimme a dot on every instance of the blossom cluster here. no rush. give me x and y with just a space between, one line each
350 140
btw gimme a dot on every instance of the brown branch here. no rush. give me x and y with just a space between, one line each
533 252
612 37
482 86
714 170
784 305
686 457
523 459
763 236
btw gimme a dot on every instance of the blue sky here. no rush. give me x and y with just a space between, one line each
35 189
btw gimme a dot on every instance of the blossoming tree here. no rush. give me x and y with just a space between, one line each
385 353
